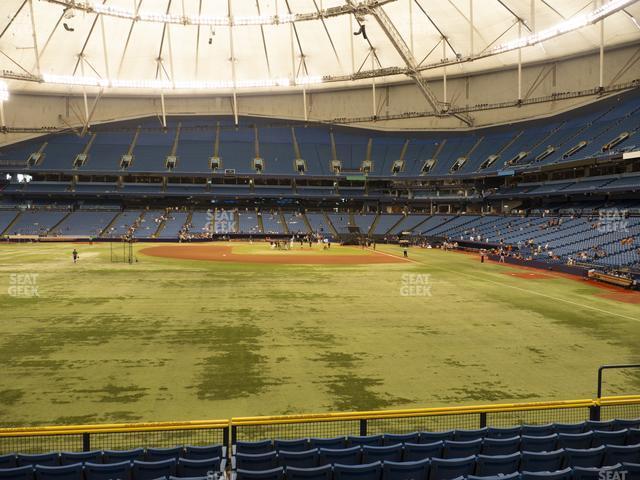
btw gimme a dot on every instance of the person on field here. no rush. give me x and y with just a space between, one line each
405 252
75 255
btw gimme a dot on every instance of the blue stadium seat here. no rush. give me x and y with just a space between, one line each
420 451
51 459
498 432
95 471
368 471
454 449
324 472
448 469
392 438
572 428
201 453
255 461
271 474
555 475
18 473
466 435
590 457
575 440
621 423
263 446
633 436
67 472
593 473
306 459
372 454
298 445
542 461
418 470
546 443
199 468
344 456
430 437
158 454
374 440
335 442
69 458
117 456
500 446
538 430
510 476
152 470
621 454
632 469
8 461
489 465
599 424
618 437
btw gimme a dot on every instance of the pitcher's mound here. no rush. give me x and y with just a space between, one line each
224 253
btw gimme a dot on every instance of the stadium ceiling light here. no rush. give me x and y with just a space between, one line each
177 85
216 20
567 26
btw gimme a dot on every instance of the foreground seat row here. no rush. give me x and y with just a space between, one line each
136 470
430 470
589 427
54 459
486 464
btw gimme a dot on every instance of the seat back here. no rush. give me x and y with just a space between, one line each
69 458
461 449
448 469
430 437
373 440
255 462
305 459
500 446
8 461
117 456
17 473
49 459
67 472
608 437
343 456
368 471
299 445
575 440
621 454
151 470
490 465
254 448
325 472
599 425
546 443
158 454
593 473
201 453
335 442
565 474
271 474
198 468
414 452
588 458
542 461
538 430
372 454
507 432
392 438
418 470
572 428
467 435
119 470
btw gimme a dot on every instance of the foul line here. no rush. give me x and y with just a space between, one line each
475 277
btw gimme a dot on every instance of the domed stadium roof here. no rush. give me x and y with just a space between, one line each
192 45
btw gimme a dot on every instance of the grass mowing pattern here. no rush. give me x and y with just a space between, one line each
172 339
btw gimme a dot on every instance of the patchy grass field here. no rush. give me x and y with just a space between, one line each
167 339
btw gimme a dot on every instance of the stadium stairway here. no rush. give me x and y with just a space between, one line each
327 221
160 228
283 221
260 224
107 229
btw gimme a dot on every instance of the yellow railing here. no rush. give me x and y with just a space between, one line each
227 430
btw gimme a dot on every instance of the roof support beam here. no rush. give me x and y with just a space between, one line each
405 53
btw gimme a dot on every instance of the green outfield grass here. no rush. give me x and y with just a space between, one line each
168 339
